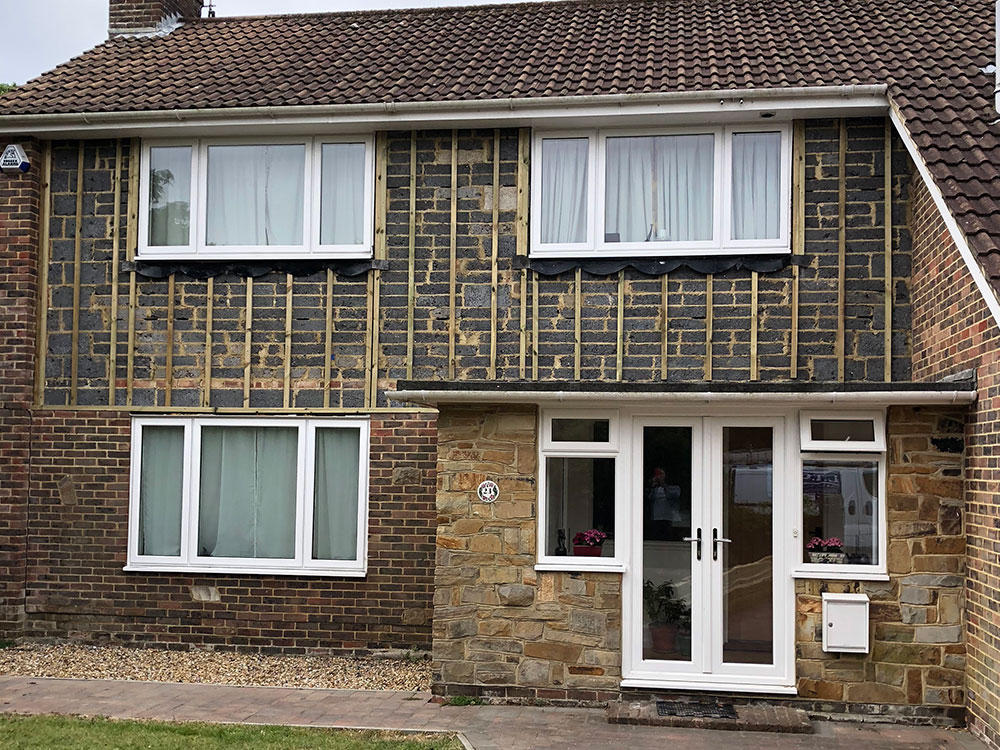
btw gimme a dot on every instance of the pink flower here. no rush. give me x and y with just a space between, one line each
590 538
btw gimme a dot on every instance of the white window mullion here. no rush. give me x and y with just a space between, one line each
303 505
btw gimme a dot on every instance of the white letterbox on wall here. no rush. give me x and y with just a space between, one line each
845 623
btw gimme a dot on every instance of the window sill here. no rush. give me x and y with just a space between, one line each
686 252
239 255
577 565
236 570
838 573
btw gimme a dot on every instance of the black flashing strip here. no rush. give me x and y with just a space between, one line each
599 387
209 269
659 266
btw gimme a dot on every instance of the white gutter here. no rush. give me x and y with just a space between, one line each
857 97
853 398
957 235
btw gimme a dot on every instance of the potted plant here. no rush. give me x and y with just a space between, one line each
588 543
666 613
826 551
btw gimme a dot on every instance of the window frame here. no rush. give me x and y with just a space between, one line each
189 561
568 449
808 444
198 249
721 243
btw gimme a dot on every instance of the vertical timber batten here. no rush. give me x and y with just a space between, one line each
44 250
708 326
798 234
664 323
841 249
620 354
534 325
171 305
77 264
523 171
328 339
247 342
130 346
577 328
206 393
374 282
754 315
411 280
887 212
131 241
452 254
495 255
286 393
115 249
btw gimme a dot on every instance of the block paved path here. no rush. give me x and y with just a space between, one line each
484 727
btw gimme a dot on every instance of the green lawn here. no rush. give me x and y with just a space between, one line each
65 733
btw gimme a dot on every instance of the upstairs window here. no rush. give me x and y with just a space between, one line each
679 192
214 199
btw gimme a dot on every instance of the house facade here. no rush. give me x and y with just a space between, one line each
310 355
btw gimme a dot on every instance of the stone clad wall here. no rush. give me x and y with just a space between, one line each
501 629
917 653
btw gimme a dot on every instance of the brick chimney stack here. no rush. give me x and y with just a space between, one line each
138 16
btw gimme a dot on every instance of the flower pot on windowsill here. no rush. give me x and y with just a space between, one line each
586 550
828 558
663 637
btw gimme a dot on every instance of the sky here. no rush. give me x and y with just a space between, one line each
52 31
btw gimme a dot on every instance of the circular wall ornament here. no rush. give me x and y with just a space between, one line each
488 491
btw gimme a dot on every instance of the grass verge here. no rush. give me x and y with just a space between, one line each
70 733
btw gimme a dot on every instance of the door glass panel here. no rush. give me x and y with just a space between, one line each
747 564
666 557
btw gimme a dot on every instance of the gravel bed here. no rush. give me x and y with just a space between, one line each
220 668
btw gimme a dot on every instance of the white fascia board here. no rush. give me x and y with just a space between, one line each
957 235
839 398
571 111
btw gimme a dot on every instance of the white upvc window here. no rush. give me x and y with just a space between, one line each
844 530
246 198
579 478
662 192
275 496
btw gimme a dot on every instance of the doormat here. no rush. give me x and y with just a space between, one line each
696 710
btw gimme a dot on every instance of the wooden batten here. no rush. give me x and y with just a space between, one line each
523 209
887 211
286 391
374 283
132 223
374 315
578 328
130 345
411 280
620 348
243 412
798 233
168 391
523 352
115 262
381 171
206 391
709 304
77 264
495 256
534 325
453 256
841 250
44 249
328 340
664 324
247 342
754 317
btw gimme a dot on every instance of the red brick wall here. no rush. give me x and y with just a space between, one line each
19 227
953 331
78 522
126 15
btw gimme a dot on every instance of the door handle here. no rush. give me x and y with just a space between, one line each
716 541
697 549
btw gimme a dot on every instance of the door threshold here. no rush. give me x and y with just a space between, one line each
655 713
715 686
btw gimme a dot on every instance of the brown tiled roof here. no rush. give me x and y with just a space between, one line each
930 54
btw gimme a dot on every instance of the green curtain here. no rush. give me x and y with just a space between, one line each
335 509
248 488
161 490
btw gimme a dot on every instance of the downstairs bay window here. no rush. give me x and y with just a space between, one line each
285 496
286 198
700 191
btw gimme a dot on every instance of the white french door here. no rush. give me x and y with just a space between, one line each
708 603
